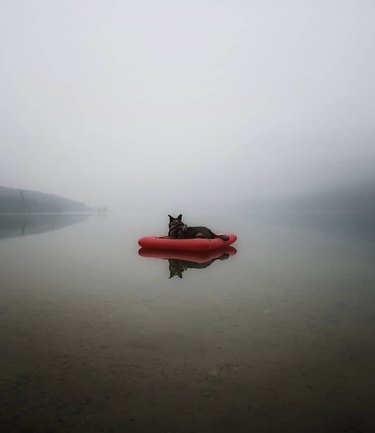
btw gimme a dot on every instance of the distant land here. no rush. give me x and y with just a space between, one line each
355 196
352 196
14 200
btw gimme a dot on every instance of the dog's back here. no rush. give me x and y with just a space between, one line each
200 232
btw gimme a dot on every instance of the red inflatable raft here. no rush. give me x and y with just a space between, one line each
197 244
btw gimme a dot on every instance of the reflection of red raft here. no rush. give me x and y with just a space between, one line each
198 244
193 256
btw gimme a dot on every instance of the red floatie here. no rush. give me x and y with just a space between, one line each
197 244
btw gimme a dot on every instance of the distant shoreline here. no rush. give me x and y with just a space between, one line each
56 213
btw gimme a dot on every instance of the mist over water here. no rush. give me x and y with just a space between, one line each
249 117
133 105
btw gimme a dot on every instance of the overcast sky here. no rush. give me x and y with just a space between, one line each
125 102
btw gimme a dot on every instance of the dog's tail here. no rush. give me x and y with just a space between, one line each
223 237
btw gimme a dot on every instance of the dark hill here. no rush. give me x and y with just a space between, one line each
14 200
352 196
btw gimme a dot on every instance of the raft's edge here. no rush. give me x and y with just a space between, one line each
154 242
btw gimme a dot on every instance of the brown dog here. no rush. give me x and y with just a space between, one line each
179 230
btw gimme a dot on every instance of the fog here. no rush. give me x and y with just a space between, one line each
167 102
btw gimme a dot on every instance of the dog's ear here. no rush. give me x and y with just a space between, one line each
170 217
180 217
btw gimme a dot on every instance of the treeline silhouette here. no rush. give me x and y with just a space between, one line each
14 200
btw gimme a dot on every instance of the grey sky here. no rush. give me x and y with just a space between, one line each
125 102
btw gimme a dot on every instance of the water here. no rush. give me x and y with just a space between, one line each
276 338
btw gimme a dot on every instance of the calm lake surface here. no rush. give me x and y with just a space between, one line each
276 338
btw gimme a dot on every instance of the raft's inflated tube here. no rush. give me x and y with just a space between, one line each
197 244
194 256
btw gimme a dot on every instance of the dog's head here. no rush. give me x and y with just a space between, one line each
174 222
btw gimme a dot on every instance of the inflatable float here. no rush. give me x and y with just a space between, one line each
197 244
193 256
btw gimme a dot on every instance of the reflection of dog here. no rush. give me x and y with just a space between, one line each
179 230
177 267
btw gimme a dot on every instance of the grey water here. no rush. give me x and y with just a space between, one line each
278 337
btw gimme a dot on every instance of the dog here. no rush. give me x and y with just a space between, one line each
179 230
